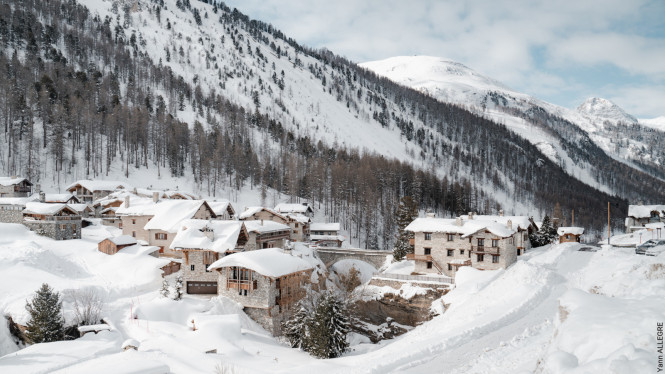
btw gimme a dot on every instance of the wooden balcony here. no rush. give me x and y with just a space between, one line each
412 242
483 249
241 284
426 258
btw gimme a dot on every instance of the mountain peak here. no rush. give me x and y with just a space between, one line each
604 109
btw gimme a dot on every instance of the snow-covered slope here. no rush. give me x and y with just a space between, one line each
605 109
657 123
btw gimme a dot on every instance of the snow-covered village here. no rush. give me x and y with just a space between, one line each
278 187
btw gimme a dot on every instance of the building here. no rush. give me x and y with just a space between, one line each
297 223
640 215
111 246
485 242
15 187
223 209
88 191
202 243
266 234
302 208
11 208
63 198
326 234
570 234
267 282
57 221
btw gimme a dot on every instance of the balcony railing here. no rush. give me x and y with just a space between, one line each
426 258
241 284
484 249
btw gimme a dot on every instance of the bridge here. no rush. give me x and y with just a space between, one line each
330 255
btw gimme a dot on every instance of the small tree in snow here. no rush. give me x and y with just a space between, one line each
296 328
177 292
165 288
328 328
88 305
406 213
46 322
546 234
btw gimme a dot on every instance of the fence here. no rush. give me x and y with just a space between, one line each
418 278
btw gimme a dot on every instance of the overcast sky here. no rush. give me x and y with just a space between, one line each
559 51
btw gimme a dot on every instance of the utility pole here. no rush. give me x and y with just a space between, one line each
608 223
573 224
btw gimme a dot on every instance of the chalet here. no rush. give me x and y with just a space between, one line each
177 195
57 221
483 242
156 223
223 209
266 234
11 208
202 243
84 210
267 282
15 187
88 191
326 234
640 215
111 246
298 225
570 234
62 198
303 208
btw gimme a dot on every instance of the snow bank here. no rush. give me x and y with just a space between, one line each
366 271
401 267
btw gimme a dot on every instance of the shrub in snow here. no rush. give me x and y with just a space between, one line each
165 288
46 322
349 282
177 291
88 305
296 328
406 213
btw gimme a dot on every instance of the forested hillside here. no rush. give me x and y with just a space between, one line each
199 90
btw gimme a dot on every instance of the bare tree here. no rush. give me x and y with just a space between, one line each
88 305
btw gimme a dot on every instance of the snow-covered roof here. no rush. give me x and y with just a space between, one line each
318 226
220 207
9 181
293 208
570 230
316 238
644 211
265 226
655 225
98 185
138 206
467 227
301 218
45 208
18 200
168 214
252 210
80 208
130 343
122 240
224 235
518 222
271 262
59 197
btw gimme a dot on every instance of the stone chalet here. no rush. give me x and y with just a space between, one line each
57 221
111 246
298 226
202 243
266 234
15 187
640 215
326 234
223 209
570 234
267 282
11 208
87 191
484 242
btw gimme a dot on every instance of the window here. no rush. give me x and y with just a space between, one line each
429 264
296 224
450 252
428 236
191 267
450 267
480 257
495 242
451 237
526 236
495 259
160 236
461 252
133 234
428 251
519 252
133 222
481 242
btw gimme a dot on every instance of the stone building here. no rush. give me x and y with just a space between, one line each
267 282
87 191
15 187
302 208
326 234
298 224
223 209
11 208
266 234
641 215
484 242
57 221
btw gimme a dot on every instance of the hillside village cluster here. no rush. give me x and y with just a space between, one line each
246 256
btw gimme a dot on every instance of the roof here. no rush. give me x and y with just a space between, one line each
271 262
18 200
130 343
570 230
265 226
317 226
252 210
59 197
220 207
9 181
316 238
644 211
468 227
655 225
99 185
80 207
301 218
518 222
46 208
224 235
168 214
293 208
122 240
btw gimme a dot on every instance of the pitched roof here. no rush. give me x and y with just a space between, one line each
265 226
168 214
271 262
318 226
122 240
59 197
18 200
9 181
570 230
644 211
80 207
467 228
293 208
252 210
221 207
99 185
224 235
46 208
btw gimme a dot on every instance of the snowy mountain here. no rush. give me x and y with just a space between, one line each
657 123
604 109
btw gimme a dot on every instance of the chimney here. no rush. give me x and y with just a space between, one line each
38 188
209 233
501 213
127 201
429 214
509 224
42 197
305 204
14 176
262 222
470 215
458 221
155 197
134 191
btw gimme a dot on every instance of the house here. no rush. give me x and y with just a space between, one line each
88 191
298 225
11 208
178 195
570 234
267 282
266 234
202 243
326 234
15 186
57 221
444 245
84 210
640 215
63 198
111 246
302 208
223 209
157 223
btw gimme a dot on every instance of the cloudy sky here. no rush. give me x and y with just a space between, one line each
560 51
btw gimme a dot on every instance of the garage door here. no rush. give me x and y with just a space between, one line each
202 287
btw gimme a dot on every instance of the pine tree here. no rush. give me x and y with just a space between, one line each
177 292
296 328
165 288
329 328
406 213
46 322
546 234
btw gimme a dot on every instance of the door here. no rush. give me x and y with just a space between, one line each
202 288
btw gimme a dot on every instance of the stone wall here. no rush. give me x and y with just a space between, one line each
58 230
11 214
133 226
195 257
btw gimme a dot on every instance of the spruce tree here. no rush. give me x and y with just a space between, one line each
329 328
46 322
296 328
546 234
406 213
165 288
177 292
